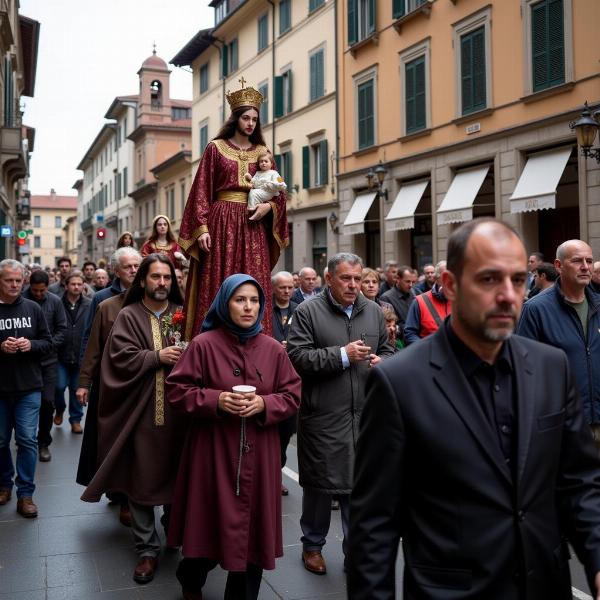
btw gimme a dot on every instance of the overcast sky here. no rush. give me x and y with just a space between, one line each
90 52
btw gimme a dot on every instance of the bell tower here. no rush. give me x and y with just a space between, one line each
155 99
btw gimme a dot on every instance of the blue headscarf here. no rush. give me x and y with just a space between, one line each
218 313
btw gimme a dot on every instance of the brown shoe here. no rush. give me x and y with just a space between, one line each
26 508
58 418
191 595
76 428
314 562
145 569
44 454
284 490
5 496
125 515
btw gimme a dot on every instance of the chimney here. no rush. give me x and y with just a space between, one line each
53 193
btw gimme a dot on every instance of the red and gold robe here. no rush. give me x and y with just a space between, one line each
151 247
217 204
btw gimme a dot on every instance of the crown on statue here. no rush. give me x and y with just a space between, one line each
245 96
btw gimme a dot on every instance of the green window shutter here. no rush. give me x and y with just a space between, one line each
352 22
278 99
288 176
277 158
323 167
313 77
371 17
415 98
366 115
420 96
224 62
234 55
466 73
398 9
556 42
478 70
320 73
285 20
305 167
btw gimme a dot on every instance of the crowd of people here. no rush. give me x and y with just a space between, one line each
418 414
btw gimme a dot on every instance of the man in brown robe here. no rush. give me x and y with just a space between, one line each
139 440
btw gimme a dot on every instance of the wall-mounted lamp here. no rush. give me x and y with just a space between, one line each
377 176
333 221
586 128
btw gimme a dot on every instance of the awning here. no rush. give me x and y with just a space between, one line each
457 205
402 213
536 188
355 221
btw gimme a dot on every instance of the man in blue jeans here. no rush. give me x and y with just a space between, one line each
24 340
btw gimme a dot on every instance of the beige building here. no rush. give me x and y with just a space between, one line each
19 37
286 50
49 215
466 104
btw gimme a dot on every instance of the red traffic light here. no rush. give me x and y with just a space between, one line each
21 241
101 233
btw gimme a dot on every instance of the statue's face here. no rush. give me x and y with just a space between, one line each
247 122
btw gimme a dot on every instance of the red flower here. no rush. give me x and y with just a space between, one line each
178 318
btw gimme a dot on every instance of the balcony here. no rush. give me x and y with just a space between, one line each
86 224
12 157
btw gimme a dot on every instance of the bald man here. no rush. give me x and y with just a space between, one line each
566 316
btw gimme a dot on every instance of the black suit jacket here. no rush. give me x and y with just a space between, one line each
297 296
429 469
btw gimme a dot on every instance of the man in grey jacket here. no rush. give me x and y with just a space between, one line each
333 341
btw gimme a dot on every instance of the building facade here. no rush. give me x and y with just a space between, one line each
286 50
465 108
19 37
50 214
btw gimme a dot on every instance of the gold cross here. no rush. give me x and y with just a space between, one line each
242 82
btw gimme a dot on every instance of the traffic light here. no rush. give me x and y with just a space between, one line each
22 237
101 233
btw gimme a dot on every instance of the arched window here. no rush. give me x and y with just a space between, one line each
156 94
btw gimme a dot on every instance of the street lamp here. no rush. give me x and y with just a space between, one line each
377 176
333 220
586 128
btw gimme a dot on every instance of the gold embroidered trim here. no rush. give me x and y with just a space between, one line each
242 157
281 243
192 301
187 245
159 378
239 197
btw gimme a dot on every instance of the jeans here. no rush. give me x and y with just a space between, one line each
20 413
47 407
68 375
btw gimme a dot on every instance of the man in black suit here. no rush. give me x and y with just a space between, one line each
308 286
473 450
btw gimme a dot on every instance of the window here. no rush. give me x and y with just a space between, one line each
180 113
403 7
366 113
124 128
37 221
547 44
9 100
221 11
283 162
170 197
58 222
314 4
472 71
263 32
37 241
283 94
124 181
37 260
233 56
263 88
58 242
183 198
140 224
147 215
414 95
317 74
203 136
285 16
361 20
315 165
204 78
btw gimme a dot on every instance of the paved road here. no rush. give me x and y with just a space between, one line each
76 550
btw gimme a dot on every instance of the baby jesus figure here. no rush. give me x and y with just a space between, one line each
266 183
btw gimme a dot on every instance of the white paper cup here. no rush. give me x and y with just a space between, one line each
243 389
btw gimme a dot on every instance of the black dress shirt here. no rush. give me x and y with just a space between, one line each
494 387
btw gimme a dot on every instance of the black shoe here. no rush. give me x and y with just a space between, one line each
44 454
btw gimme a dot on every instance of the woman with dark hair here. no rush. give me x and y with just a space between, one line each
125 240
227 502
162 241
217 231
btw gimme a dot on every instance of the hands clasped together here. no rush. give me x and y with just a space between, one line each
12 345
242 405
359 352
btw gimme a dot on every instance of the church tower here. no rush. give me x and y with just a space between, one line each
155 99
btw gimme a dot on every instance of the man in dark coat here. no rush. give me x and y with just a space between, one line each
307 289
333 342
283 309
139 439
473 449
402 295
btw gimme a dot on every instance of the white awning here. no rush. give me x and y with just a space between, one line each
457 205
355 221
536 188
402 213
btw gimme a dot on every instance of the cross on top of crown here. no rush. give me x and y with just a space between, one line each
242 82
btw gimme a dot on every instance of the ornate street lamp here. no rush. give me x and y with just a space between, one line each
333 220
586 129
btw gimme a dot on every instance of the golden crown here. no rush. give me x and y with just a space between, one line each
246 96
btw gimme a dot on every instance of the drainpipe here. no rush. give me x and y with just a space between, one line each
220 49
337 113
273 76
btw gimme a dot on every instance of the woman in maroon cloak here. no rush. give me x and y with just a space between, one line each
227 504
217 231
162 241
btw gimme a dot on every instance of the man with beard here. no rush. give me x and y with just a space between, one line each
139 440
489 474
